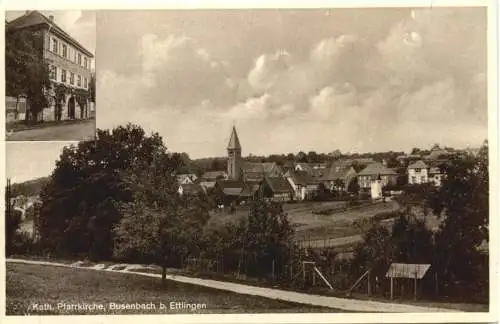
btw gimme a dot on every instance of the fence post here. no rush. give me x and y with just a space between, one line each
273 269
369 284
392 287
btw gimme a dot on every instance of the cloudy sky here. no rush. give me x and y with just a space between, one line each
81 25
290 80
30 160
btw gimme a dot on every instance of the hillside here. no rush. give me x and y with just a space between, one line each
30 187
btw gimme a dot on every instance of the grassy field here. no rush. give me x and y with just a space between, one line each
317 227
28 285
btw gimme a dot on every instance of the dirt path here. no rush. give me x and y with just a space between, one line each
324 301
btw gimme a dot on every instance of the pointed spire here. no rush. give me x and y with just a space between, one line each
234 142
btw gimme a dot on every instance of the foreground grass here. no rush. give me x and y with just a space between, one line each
28 285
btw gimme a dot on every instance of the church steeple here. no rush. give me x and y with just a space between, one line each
234 163
234 142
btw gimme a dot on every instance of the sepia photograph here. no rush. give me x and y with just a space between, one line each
50 75
254 161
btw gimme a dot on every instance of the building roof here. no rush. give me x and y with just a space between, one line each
376 169
192 188
418 165
34 19
265 167
231 187
213 175
338 170
278 184
234 142
435 154
300 177
407 270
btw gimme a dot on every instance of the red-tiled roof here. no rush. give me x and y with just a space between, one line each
35 18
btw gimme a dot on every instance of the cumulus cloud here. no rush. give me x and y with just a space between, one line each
423 77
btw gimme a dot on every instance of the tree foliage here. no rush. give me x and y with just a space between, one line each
26 72
463 203
82 200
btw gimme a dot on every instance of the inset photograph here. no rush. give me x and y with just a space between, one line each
50 75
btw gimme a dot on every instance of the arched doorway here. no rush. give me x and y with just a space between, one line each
71 108
58 107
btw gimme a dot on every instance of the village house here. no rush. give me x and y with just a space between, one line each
376 172
302 184
231 191
430 172
339 175
276 189
436 175
69 64
418 173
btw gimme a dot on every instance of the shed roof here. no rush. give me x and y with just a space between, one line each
407 270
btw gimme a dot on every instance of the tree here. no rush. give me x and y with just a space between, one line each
81 202
415 151
412 240
463 204
158 225
375 253
267 236
26 72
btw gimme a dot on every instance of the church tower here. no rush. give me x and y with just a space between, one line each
234 163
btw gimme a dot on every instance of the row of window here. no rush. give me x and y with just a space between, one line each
424 179
63 77
68 52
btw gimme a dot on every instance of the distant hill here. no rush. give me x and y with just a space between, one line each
30 187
